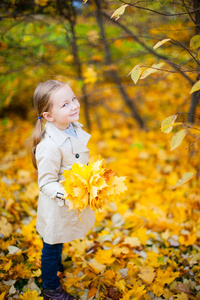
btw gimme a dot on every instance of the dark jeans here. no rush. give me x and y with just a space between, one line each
50 265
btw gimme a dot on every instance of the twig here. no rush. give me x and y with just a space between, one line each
159 13
192 143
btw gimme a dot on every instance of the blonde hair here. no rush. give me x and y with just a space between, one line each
42 103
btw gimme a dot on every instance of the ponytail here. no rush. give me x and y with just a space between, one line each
37 135
42 103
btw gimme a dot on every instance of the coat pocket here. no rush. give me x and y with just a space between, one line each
70 215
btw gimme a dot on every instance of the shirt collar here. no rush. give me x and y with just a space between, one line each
59 136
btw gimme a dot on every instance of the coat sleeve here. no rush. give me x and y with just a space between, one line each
49 157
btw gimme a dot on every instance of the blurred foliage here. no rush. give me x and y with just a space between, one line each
146 245
36 45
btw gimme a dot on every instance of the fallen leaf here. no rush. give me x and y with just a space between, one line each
147 274
91 292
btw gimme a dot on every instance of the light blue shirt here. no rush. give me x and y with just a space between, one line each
71 131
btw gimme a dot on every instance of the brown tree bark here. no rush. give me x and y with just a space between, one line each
67 10
196 95
112 72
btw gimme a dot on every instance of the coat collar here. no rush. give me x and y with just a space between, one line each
59 136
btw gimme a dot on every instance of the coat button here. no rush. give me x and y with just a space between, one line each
77 155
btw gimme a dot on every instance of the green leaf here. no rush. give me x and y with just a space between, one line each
154 68
195 42
195 87
136 145
165 127
186 177
118 12
160 43
178 138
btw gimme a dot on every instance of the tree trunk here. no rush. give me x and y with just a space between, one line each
112 72
67 10
80 75
196 95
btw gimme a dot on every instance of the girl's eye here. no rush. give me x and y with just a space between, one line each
73 98
64 105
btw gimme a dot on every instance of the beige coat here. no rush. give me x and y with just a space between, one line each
58 151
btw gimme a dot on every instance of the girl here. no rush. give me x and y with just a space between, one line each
61 144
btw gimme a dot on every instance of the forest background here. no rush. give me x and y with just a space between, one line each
146 245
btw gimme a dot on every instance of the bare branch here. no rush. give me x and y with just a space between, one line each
150 50
192 143
157 12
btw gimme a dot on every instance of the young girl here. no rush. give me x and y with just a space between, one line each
61 144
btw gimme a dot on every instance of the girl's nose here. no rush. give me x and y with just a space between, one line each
74 105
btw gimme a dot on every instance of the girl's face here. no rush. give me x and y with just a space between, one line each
64 108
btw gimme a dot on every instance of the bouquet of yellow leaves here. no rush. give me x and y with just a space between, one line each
91 185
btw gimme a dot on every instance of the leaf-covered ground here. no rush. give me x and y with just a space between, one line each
145 246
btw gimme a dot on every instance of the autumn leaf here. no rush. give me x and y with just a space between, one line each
178 138
182 296
180 287
41 2
195 42
5 227
91 292
185 178
135 73
157 45
167 124
154 68
105 256
188 239
2 296
166 128
147 274
132 241
118 12
8 265
30 295
196 87
96 267
92 186
36 273
121 285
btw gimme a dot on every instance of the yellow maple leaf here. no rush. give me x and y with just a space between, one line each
30 295
136 293
8 265
2 296
118 184
188 239
104 256
166 276
96 267
132 241
71 281
147 274
182 296
36 273
91 185
118 251
92 292
121 285
5 227
109 275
